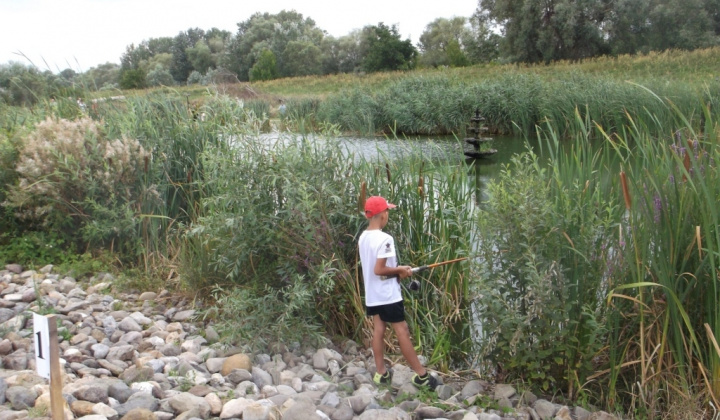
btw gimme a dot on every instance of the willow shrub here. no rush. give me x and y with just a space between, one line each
543 256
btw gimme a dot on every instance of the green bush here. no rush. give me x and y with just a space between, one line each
132 79
35 249
544 251
267 315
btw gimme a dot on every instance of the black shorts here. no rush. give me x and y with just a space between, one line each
392 312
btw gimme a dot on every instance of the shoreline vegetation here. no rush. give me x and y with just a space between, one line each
595 278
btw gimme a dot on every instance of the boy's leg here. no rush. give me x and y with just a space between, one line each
378 344
422 377
402 331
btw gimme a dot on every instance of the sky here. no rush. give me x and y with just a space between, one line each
80 34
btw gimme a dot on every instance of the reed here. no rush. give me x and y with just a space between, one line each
353 111
514 102
628 218
433 222
276 218
671 254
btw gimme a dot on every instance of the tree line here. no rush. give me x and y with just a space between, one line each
287 44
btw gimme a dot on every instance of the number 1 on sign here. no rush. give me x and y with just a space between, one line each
42 345
39 344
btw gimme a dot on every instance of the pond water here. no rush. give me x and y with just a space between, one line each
447 148
483 170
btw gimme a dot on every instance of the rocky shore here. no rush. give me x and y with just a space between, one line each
144 356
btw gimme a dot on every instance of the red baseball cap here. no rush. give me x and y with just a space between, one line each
376 205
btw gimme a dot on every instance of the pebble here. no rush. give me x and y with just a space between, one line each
146 357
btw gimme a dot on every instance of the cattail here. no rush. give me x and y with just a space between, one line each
147 162
686 163
626 191
363 194
421 182
387 169
189 176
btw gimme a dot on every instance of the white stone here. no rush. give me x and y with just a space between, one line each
234 408
215 403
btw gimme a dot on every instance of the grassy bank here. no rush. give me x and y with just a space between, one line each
512 98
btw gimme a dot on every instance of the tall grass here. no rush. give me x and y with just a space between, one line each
433 222
694 68
278 219
671 249
514 102
600 276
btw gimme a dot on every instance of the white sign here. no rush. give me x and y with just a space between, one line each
41 334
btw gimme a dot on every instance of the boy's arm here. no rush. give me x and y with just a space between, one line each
401 271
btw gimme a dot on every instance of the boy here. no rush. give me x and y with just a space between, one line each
383 298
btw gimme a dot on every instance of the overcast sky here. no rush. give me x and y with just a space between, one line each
79 34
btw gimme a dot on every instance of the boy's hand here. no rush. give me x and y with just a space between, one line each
404 271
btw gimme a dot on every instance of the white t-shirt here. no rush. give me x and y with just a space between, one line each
374 244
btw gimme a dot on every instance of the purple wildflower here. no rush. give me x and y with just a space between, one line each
658 208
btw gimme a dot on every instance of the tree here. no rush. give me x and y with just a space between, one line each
302 58
22 85
159 76
181 67
68 74
442 43
273 32
132 79
712 8
157 46
104 75
456 56
133 56
686 25
201 57
342 54
383 50
162 59
542 31
265 68
483 42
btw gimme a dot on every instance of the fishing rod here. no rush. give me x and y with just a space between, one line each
415 284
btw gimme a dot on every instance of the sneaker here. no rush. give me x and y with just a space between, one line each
425 381
383 379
